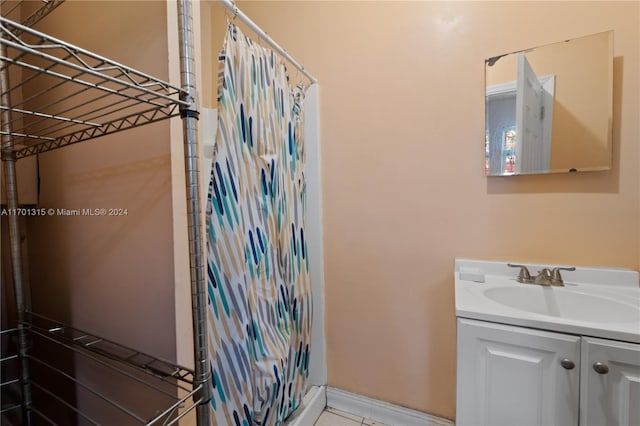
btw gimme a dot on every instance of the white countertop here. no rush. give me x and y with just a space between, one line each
610 286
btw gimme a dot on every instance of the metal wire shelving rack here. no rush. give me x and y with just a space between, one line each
65 95
52 342
93 96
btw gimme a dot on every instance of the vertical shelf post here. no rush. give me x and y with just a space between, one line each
189 116
11 187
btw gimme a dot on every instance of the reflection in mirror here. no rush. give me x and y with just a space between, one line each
549 109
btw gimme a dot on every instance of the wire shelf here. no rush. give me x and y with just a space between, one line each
33 11
67 95
9 377
99 372
54 94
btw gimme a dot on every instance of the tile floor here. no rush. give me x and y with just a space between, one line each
333 417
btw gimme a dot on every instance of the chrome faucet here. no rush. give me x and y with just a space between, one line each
545 277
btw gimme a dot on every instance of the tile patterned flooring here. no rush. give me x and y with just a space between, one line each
333 417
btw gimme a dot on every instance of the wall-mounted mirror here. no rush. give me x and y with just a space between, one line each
549 109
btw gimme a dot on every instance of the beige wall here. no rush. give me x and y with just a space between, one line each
123 278
402 101
112 276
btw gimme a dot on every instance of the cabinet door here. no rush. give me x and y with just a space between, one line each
514 376
609 390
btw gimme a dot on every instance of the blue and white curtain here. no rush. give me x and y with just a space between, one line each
258 268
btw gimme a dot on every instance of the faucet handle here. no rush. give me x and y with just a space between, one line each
556 278
524 276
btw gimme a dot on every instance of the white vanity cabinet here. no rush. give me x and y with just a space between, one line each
610 383
515 376
509 375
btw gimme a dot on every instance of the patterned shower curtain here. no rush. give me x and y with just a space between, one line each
258 269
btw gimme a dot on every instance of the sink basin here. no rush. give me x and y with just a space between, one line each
595 301
564 303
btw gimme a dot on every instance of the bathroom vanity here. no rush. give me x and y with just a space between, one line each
545 354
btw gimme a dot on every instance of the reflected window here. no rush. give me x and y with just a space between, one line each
486 153
509 151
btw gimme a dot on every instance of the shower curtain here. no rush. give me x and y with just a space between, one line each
259 289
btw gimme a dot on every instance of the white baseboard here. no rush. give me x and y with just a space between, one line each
313 405
384 412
